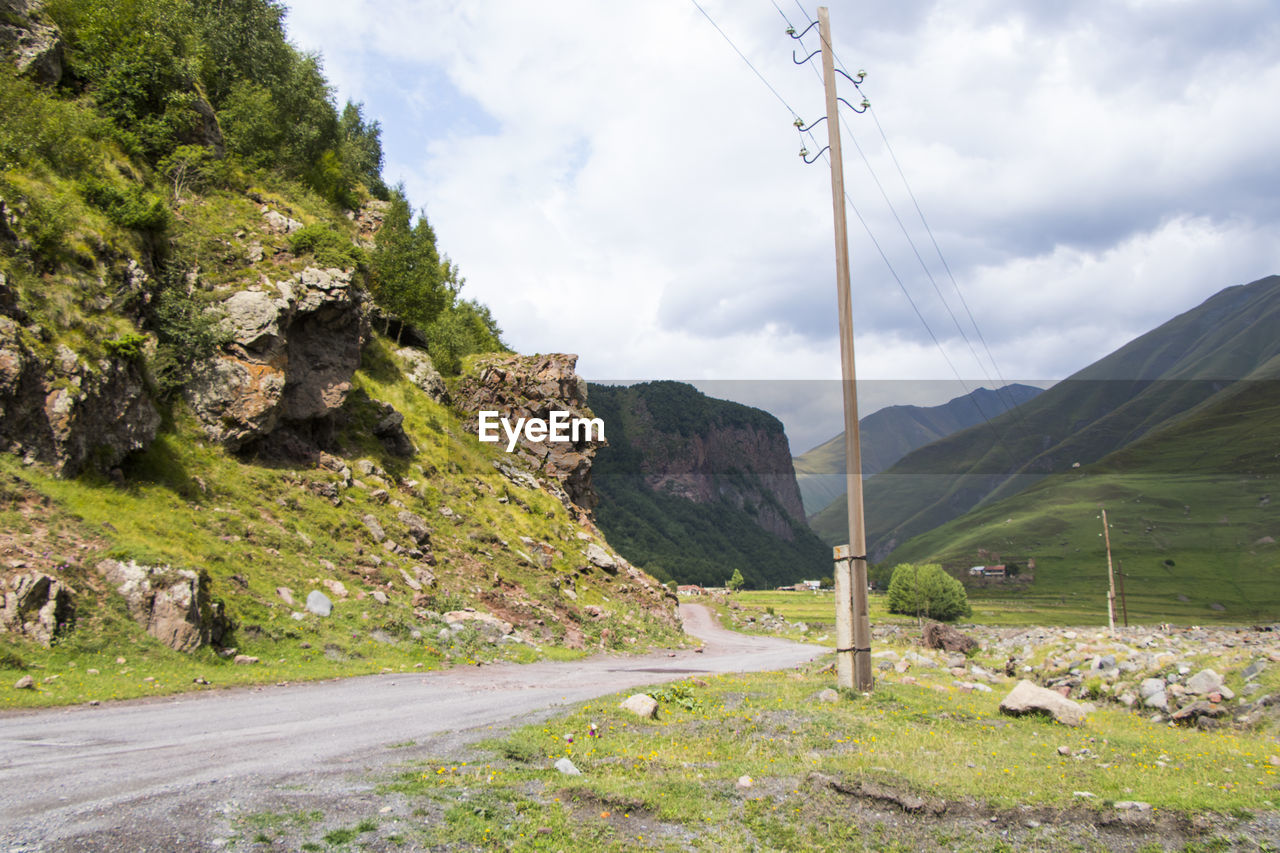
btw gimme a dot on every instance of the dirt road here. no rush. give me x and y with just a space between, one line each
156 774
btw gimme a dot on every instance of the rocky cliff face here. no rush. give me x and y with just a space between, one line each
747 466
695 487
60 408
519 386
293 349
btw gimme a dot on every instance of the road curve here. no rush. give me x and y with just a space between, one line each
77 772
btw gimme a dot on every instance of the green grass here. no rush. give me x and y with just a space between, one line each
254 528
672 783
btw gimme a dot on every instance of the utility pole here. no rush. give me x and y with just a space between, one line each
1111 576
853 626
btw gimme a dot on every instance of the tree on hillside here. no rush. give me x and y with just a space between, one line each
926 591
734 583
407 278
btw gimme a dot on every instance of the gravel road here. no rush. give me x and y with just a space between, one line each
158 774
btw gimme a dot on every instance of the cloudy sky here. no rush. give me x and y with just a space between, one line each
615 181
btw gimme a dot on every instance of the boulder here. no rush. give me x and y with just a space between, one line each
642 705
417 527
26 682
601 558
1029 698
36 605
278 223
940 636
319 603
173 605
389 429
289 362
1150 687
374 528
485 623
35 47
68 411
567 767
421 371
1204 682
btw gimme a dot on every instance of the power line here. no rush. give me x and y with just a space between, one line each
923 221
849 201
755 70
910 242
997 434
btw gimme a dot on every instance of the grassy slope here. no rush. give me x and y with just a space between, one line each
1188 505
1142 386
259 527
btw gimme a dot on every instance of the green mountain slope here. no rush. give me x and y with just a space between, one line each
1148 383
692 487
893 432
1190 508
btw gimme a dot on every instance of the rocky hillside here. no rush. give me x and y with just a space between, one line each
692 488
218 451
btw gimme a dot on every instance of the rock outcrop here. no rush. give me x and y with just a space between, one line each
421 371
67 411
34 46
292 354
172 604
36 605
533 386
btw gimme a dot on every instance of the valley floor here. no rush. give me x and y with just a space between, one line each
750 750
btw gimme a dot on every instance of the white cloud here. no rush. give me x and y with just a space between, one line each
614 181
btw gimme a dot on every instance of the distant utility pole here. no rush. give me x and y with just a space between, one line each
853 626
1111 576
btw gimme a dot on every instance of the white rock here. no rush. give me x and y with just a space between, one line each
642 705
1026 698
319 603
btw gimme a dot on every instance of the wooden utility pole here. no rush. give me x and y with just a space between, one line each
1111 576
853 627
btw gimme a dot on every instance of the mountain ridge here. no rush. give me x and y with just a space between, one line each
1152 380
894 431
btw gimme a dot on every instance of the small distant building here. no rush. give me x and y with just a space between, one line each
690 589
988 572
812 586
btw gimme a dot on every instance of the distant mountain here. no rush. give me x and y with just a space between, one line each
893 432
692 487
1145 385
1193 525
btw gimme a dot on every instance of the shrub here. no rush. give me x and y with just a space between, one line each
128 347
927 591
129 208
188 332
330 248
